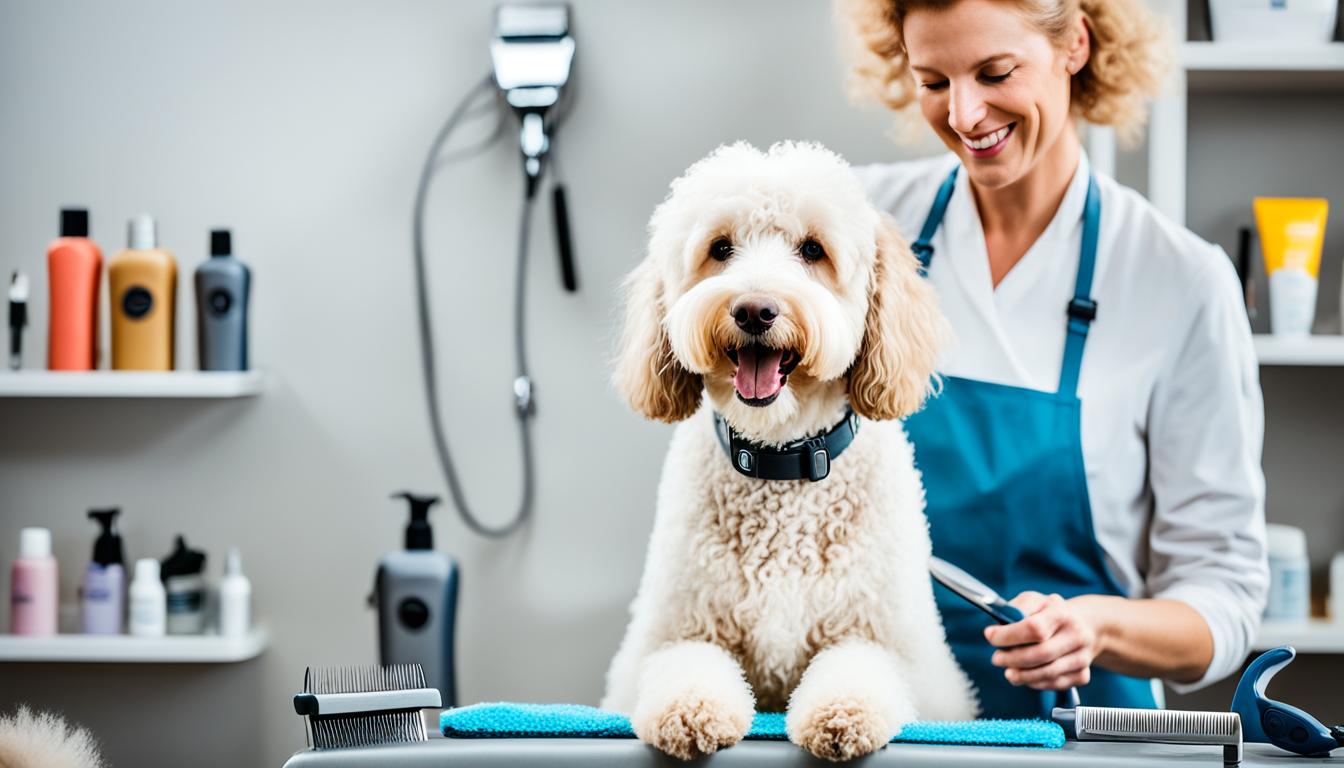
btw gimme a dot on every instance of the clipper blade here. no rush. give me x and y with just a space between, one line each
362 706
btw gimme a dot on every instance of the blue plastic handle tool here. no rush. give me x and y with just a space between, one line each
977 593
1267 721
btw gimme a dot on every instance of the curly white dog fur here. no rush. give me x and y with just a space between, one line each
774 290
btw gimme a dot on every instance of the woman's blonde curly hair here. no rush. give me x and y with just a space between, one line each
1130 54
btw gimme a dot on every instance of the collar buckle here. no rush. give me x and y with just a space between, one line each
816 458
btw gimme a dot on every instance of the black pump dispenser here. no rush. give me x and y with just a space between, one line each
107 549
418 533
182 561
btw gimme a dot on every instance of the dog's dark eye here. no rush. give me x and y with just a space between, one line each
811 250
721 249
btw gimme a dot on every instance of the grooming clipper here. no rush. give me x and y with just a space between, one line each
1154 726
361 706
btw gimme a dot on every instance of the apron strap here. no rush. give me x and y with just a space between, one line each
923 247
1081 309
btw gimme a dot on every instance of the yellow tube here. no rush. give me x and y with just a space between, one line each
1291 233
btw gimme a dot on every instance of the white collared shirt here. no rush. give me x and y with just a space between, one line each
1172 415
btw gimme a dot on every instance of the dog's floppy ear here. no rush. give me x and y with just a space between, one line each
903 332
646 372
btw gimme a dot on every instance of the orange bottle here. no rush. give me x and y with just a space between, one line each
142 288
74 267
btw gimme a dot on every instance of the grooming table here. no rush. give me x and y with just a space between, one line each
611 753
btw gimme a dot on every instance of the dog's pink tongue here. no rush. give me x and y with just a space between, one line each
758 372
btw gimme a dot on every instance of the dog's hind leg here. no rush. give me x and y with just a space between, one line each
693 699
851 701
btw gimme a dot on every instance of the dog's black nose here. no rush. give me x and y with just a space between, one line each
754 314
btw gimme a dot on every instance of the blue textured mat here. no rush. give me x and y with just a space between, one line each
506 720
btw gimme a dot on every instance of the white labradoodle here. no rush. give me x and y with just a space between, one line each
774 288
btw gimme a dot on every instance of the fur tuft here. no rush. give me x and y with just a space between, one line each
31 739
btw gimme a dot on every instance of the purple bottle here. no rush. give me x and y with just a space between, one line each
103 597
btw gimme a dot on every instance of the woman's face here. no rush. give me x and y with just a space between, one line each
993 87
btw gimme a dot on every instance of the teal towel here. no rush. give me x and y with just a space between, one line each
506 720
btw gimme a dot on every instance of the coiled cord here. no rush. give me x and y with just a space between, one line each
522 384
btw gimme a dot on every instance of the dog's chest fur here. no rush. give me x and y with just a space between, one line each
783 569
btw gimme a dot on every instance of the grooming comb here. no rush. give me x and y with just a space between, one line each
359 706
1155 726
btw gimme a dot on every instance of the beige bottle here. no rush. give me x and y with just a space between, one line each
142 287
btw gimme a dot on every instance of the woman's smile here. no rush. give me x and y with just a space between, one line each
989 143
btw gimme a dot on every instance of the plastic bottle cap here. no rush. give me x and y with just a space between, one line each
1286 541
233 563
147 568
143 234
221 242
74 222
34 542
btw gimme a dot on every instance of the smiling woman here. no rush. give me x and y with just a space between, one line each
1126 66
1095 446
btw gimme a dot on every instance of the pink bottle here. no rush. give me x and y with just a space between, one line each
33 585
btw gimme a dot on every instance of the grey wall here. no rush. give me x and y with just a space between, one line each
302 126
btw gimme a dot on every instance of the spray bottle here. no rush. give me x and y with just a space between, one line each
103 595
416 596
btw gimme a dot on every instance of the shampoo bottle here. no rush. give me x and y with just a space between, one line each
33 585
416 595
147 600
222 285
142 284
103 601
184 583
74 266
235 598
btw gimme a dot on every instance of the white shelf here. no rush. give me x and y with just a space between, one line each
1311 350
124 648
1244 57
1312 636
120 384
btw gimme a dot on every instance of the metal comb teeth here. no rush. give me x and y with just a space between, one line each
364 705
363 679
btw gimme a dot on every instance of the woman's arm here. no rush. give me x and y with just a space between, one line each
1060 639
1206 569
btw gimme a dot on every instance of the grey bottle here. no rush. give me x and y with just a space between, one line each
415 593
222 286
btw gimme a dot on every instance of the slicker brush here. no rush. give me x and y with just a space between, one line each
361 706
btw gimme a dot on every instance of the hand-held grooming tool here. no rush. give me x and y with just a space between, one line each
18 317
1154 726
979 594
222 287
74 267
103 595
142 286
416 595
532 53
359 706
1267 721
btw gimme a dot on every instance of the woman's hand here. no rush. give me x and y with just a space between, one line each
1054 646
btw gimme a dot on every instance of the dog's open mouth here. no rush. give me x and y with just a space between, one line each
762 372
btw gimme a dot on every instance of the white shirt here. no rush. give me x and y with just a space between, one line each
1172 416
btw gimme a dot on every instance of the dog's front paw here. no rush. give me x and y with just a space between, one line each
692 725
842 730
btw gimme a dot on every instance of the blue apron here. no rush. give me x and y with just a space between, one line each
1007 495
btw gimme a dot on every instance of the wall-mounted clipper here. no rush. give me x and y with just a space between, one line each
360 706
532 53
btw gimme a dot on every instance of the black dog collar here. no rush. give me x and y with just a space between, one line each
808 459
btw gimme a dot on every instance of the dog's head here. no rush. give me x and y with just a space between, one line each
772 285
